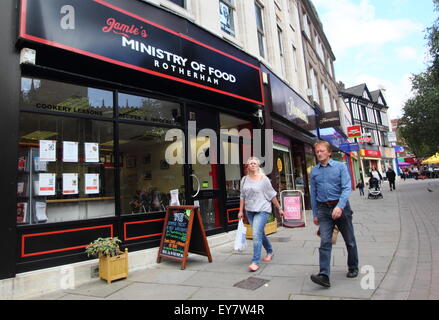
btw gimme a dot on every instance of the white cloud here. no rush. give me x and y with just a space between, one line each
348 25
407 53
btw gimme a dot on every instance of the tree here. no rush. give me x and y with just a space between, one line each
420 122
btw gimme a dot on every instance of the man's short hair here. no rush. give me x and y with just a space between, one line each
323 143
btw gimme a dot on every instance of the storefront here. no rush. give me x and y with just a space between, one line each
370 159
115 104
293 122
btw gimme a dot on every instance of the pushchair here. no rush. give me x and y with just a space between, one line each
374 189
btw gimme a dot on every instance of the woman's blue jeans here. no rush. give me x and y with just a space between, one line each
258 220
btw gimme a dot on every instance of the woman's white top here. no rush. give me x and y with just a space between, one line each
257 195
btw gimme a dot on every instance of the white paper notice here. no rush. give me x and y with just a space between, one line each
70 183
174 197
47 150
91 183
91 152
40 210
46 184
70 151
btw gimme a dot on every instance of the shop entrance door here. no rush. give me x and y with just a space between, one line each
203 156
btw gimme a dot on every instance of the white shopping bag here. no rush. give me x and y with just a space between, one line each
240 239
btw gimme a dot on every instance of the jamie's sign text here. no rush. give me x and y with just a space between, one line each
103 31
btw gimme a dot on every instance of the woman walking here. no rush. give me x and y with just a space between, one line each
257 194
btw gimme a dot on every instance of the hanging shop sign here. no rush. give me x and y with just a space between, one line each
103 31
329 119
354 131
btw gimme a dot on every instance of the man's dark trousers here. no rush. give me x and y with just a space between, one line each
344 224
392 184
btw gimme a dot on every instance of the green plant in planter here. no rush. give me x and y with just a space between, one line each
270 218
108 247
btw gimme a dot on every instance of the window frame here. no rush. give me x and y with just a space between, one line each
115 120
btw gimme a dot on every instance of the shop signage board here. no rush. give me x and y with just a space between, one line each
365 139
350 147
293 204
354 131
290 105
183 232
100 30
370 153
329 119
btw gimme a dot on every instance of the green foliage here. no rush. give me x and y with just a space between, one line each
108 247
420 121
270 218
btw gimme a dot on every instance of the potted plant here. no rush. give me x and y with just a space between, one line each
270 227
113 263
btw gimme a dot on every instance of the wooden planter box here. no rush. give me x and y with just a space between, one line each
114 268
270 227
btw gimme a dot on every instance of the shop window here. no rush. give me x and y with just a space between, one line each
282 177
65 169
137 108
146 177
227 16
235 150
48 95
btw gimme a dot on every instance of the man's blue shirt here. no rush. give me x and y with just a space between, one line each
330 183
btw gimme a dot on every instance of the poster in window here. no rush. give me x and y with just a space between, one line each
70 151
40 211
46 184
22 215
91 183
47 150
69 183
91 152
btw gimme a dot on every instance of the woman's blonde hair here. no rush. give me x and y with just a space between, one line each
261 171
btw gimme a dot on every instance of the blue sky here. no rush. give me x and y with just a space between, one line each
378 42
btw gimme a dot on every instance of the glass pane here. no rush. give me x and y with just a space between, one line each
233 130
65 169
148 109
179 2
259 22
226 18
47 95
146 178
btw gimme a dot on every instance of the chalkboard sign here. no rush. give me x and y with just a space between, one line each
183 232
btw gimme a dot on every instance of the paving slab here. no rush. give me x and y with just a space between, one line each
153 291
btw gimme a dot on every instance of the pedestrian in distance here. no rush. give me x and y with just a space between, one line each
391 176
330 190
376 178
257 195
360 186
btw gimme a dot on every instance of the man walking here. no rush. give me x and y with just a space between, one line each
391 176
330 189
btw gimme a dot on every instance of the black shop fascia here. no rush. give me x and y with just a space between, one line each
130 49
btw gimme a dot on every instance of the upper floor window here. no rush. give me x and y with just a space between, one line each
306 27
364 113
281 49
180 3
260 29
226 8
314 85
365 95
378 115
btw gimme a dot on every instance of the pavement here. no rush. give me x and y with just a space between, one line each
398 246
